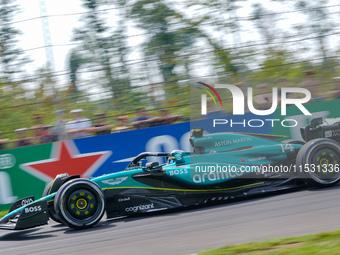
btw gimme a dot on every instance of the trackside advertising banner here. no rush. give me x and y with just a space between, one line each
26 171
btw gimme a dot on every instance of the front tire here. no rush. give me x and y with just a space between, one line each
51 211
80 204
318 162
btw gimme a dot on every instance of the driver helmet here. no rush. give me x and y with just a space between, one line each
171 158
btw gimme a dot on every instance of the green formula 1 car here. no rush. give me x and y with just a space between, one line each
222 166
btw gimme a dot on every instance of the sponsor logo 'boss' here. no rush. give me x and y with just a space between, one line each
33 209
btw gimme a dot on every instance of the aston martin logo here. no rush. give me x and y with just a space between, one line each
115 181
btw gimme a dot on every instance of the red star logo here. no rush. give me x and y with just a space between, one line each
65 158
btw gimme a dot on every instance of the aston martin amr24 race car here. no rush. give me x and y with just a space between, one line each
222 166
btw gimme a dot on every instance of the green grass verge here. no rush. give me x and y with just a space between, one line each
322 243
3 213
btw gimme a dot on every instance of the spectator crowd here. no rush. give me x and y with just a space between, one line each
78 126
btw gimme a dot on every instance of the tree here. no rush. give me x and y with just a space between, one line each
265 22
98 48
223 24
318 23
171 36
278 63
75 61
12 58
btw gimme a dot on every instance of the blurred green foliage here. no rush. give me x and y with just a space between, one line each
181 44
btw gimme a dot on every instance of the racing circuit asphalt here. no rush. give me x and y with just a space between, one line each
188 231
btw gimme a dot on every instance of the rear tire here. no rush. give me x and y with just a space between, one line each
318 162
80 204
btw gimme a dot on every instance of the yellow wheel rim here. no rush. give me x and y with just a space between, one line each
81 204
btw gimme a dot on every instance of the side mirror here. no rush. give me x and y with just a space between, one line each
315 122
153 166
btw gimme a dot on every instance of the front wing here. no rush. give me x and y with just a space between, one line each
25 216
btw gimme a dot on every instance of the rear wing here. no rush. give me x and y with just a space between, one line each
319 128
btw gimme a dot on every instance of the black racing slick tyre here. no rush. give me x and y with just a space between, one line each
318 162
50 205
53 187
80 203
